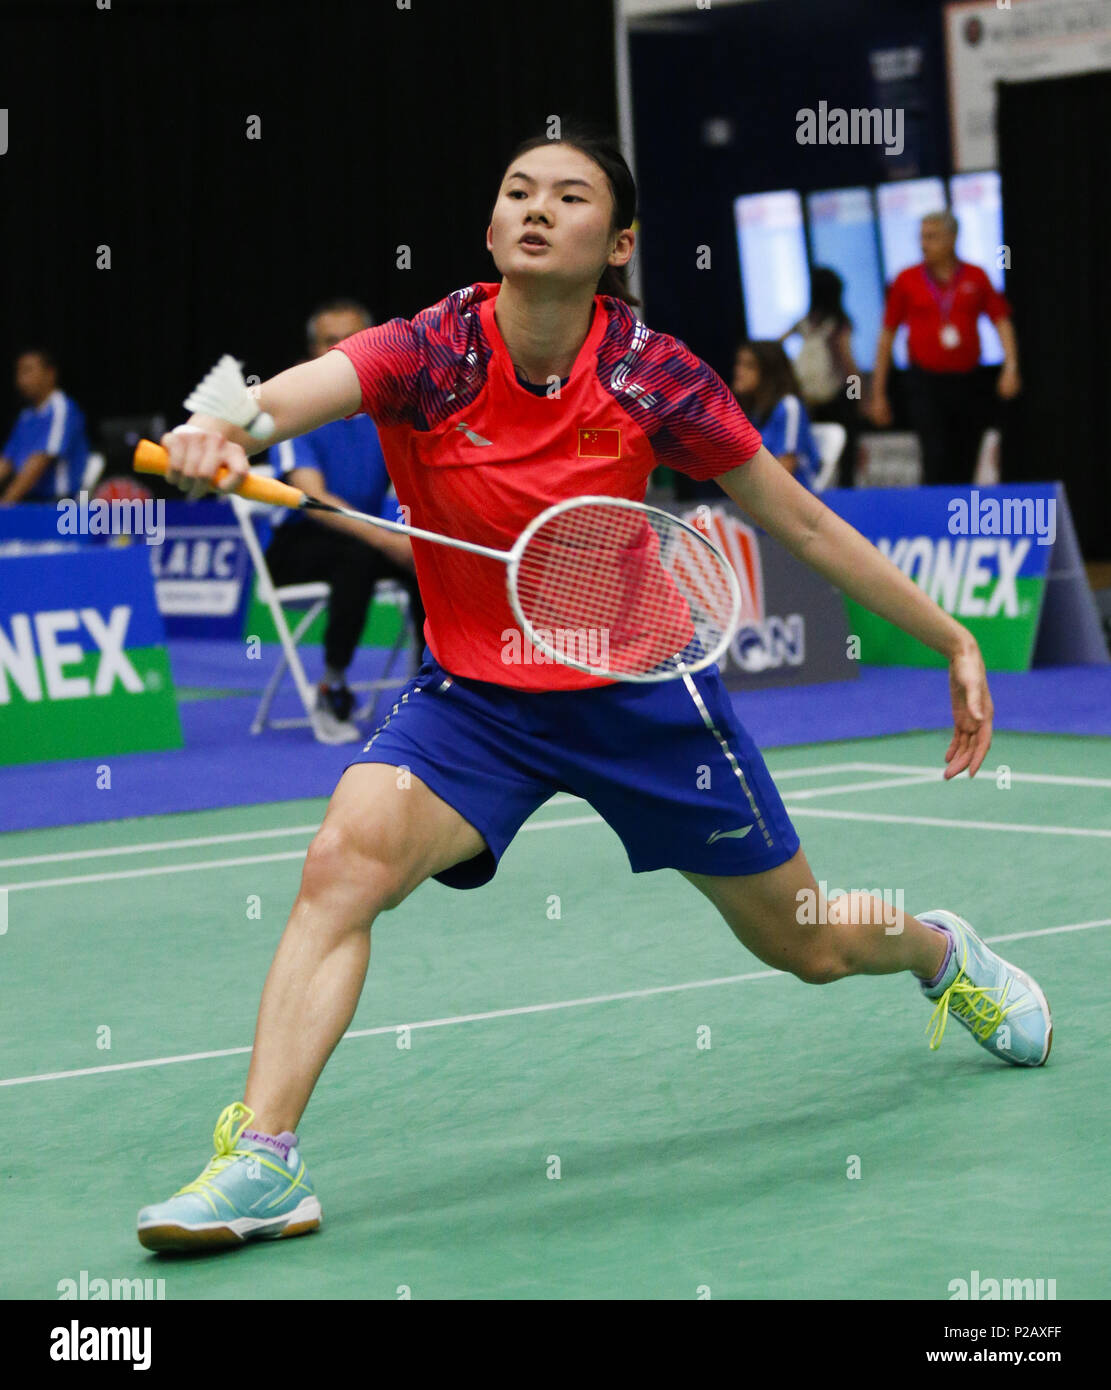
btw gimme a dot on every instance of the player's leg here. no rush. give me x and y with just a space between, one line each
782 917
440 789
680 780
383 834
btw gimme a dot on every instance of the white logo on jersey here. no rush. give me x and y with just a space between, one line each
474 438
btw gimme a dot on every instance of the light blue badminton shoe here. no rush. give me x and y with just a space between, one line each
253 1188
1000 1005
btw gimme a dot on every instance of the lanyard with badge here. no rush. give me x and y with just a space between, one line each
950 334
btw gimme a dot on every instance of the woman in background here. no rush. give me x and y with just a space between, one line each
767 390
825 362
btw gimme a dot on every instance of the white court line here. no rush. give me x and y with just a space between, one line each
1051 931
1012 827
815 771
941 822
244 836
916 774
1046 778
156 846
496 1013
863 786
154 870
196 842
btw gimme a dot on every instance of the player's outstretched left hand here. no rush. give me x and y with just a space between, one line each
972 712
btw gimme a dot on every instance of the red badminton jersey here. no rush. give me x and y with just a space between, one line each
476 455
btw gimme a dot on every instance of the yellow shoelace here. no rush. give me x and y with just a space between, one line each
233 1120
971 1003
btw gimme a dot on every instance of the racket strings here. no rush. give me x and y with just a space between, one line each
619 591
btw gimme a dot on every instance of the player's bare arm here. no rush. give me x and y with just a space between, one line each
805 526
299 400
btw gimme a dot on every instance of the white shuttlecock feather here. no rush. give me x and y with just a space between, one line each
223 394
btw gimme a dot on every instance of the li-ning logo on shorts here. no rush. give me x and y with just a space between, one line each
738 834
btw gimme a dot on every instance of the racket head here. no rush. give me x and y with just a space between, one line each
622 590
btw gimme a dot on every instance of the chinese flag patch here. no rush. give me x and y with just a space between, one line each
599 444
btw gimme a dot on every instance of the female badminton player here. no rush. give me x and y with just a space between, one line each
491 405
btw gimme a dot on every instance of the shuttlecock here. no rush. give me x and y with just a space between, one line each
224 394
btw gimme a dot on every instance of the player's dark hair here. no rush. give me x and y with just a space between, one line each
45 356
826 289
337 306
604 150
777 379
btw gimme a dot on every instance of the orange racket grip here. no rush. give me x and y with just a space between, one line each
152 458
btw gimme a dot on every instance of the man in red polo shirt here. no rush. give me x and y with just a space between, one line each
941 301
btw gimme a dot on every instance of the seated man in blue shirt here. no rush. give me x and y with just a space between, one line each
340 463
46 452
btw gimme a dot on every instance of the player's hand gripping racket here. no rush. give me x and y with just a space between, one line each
615 588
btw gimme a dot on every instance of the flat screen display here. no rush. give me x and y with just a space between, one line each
843 236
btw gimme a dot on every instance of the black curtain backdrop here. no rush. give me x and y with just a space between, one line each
1056 213
380 127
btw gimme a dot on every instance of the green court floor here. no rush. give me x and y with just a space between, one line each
133 958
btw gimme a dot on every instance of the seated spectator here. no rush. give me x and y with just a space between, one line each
340 463
46 452
766 390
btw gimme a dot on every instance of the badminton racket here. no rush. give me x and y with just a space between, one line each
615 588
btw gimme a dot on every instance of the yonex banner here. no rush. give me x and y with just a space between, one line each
984 554
83 665
793 627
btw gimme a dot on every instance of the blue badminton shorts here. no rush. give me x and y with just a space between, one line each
668 766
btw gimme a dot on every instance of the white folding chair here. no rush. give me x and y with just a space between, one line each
94 470
830 438
312 599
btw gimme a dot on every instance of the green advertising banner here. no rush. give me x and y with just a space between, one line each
982 554
83 666
382 627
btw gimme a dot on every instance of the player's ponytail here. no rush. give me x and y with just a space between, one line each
615 282
604 150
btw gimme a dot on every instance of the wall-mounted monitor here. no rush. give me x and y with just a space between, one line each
774 275
843 236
